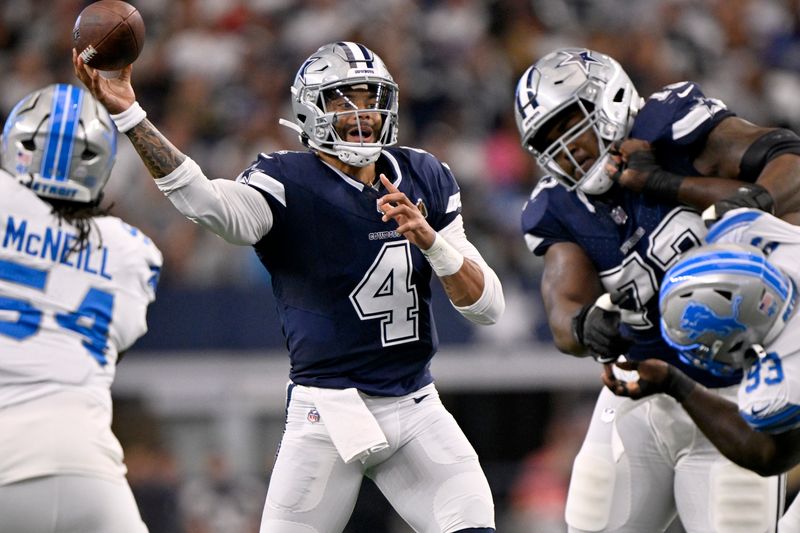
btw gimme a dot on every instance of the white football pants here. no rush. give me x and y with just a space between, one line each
790 523
643 461
430 473
69 504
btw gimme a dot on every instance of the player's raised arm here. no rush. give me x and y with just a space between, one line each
737 163
235 212
472 286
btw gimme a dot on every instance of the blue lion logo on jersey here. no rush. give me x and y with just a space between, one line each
699 319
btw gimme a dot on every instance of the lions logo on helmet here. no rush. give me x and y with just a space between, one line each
569 79
61 143
721 300
323 77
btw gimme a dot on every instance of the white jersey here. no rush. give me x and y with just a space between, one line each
769 395
65 316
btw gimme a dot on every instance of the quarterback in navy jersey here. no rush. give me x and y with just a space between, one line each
373 330
621 202
351 232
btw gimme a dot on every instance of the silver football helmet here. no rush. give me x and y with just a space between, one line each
324 78
60 142
722 303
566 80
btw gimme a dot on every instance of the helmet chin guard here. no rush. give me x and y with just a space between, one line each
327 75
571 80
358 156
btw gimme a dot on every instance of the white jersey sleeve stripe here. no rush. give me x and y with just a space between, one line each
532 241
690 122
730 223
269 185
453 203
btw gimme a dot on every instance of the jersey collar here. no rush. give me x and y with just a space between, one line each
398 176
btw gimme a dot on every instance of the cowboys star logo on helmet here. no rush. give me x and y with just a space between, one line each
582 58
584 83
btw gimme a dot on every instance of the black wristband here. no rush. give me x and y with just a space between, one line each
750 195
678 385
659 184
663 185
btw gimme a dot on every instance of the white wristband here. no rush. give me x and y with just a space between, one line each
444 259
129 118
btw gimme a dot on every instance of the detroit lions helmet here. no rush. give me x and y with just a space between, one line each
721 300
322 78
60 142
569 79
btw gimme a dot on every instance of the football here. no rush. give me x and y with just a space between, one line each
109 34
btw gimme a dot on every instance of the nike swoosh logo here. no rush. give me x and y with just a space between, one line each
417 400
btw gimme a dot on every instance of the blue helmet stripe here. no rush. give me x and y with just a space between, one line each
721 262
523 88
60 137
75 99
349 50
730 223
54 126
366 55
775 280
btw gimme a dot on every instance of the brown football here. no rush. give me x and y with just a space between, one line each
109 34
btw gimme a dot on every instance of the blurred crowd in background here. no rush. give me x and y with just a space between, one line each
215 76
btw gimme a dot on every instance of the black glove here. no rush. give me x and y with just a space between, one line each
748 195
598 329
659 184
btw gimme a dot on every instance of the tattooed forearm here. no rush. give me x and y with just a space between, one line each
158 154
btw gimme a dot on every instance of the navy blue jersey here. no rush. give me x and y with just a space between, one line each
630 239
353 296
676 121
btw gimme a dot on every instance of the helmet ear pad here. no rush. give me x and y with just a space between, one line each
721 300
599 87
336 66
60 142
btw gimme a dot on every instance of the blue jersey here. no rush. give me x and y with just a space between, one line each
630 239
353 295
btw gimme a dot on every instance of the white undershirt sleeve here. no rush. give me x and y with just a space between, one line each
490 306
236 212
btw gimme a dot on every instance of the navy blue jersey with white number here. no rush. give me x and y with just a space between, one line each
353 295
630 239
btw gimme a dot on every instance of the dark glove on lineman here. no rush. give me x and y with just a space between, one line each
658 183
641 173
598 330
748 195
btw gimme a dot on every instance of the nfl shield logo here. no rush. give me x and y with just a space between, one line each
313 416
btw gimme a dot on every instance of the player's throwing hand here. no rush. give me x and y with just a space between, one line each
116 94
